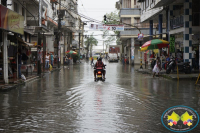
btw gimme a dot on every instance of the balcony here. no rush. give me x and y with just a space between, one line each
134 31
177 22
130 11
147 25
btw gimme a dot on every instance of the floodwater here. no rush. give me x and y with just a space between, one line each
70 101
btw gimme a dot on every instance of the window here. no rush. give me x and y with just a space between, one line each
126 21
143 5
137 20
23 12
126 4
147 3
15 7
4 2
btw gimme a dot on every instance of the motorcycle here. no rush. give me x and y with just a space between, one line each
183 66
99 74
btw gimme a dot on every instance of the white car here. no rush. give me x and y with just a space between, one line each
112 57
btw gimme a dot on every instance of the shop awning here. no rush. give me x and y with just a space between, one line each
25 43
20 39
29 44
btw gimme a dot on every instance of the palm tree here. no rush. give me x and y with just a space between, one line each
90 42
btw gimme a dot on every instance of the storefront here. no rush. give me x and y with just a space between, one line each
10 23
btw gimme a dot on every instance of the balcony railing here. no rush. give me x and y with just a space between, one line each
177 22
147 25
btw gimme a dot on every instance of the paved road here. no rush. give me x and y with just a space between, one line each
70 101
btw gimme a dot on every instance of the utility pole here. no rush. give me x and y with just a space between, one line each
87 49
103 48
58 34
44 51
39 71
79 45
141 56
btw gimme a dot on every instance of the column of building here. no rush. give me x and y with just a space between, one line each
187 44
160 25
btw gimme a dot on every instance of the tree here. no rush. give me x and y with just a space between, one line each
107 39
112 18
89 43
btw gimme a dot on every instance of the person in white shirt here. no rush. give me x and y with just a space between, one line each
179 55
193 58
47 61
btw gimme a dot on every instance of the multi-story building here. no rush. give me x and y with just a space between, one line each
36 23
182 22
71 23
130 17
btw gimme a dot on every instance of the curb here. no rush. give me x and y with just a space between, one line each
189 77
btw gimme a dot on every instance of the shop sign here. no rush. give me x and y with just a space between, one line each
10 20
140 37
172 44
106 27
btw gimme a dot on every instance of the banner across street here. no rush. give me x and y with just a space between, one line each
106 27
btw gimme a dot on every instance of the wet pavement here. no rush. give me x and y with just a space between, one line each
70 101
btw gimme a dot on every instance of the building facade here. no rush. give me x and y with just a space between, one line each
182 23
130 17
39 29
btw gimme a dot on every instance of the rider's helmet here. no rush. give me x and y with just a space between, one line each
99 59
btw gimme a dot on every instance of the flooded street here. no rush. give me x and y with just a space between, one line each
70 101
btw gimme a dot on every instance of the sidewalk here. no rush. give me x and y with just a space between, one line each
14 83
193 76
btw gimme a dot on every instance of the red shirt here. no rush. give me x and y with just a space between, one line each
99 65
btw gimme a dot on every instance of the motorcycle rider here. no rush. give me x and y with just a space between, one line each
99 65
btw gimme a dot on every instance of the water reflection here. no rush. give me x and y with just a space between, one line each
70 101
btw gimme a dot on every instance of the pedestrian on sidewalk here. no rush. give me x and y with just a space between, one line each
157 67
92 63
47 61
66 60
193 58
51 59
125 60
152 55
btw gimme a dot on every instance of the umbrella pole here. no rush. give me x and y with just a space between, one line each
141 57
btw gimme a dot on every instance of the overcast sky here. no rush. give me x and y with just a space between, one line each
96 9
